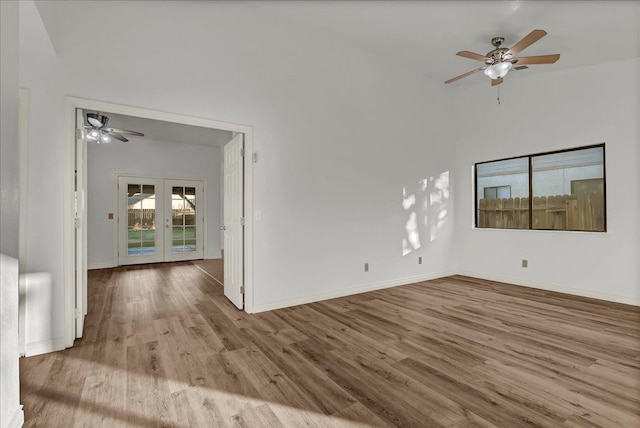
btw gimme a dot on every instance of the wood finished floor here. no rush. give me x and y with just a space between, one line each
214 267
163 347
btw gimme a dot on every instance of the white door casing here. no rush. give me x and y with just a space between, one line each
233 219
80 225
23 137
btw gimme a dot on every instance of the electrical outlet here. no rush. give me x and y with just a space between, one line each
110 216
420 260
525 263
366 267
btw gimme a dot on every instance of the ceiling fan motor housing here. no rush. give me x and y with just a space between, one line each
97 120
498 54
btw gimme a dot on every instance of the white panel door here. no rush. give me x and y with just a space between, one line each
233 228
184 220
141 209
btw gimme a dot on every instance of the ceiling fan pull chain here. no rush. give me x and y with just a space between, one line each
498 94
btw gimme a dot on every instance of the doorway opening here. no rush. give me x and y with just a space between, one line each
164 222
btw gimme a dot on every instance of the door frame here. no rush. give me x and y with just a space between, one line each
73 103
23 143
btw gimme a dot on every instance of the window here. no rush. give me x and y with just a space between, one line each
563 190
496 206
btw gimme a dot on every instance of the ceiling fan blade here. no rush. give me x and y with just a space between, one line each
465 75
97 120
472 55
495 82
116 136
541 59
124 131
527 41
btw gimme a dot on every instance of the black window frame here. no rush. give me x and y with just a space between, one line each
530 173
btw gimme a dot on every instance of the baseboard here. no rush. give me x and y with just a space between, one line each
553 287
103 265
17 420
347 292
44 346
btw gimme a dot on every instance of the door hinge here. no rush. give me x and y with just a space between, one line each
77 222
242 153
241 221
77 313
242 289
79 133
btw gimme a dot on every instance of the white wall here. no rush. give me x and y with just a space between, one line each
11 414
49 15
40 74
550 112
339 133
9 150
144 157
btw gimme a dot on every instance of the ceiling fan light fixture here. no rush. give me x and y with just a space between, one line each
498 70
92 135
105 138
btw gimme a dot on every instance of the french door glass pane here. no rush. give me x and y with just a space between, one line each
141 220
178 234
183 206
135 235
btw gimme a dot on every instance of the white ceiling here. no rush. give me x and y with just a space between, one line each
157 130
427 34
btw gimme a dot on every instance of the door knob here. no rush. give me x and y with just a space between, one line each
223 227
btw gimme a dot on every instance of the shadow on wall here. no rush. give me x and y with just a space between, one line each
427 211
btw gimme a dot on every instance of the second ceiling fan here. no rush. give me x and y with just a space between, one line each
99 132
500 60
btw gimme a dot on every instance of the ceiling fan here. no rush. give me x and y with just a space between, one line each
98 131
500 60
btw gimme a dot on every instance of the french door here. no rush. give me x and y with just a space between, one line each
184 222
160 220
